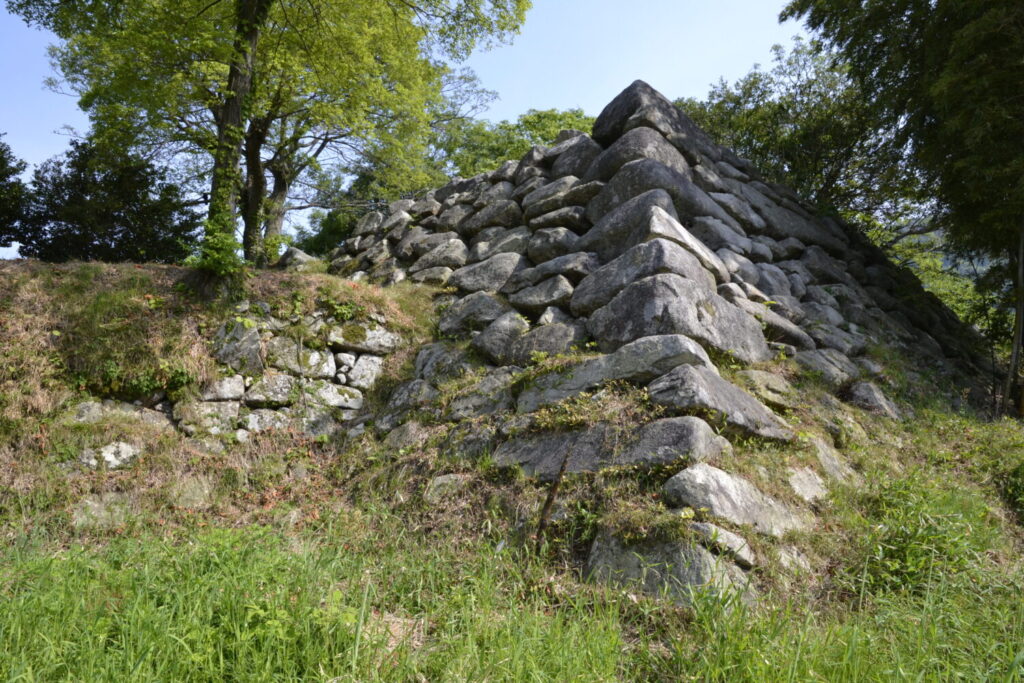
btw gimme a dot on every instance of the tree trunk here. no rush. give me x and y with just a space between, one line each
250 15
275 211
1018 326
254 189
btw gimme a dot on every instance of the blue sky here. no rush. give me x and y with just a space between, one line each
570 53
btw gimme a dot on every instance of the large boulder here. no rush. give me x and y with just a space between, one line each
639 143
638 361
671 304
673 440
696 390
643 260
677 569
733 499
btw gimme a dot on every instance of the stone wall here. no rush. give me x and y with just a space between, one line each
669 255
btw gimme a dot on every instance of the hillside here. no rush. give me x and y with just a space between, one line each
617 410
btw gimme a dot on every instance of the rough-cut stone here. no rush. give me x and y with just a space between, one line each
213 417
489 275
773 390
472 312
733 499
611 122
541 455
834 368
697 390
288 355
450 254
505 213
432 276
638 361
492 394
319 392
715 234
663 225
365 371
296 260
263 419
503 241
439 362
678 570
368 223
101 511
452 217
572 217
741 211
582 193
273 390
643 175
832 462
112 456
613 229
574 156
237 345
555 291
776 327
417 394
550 339
643 260
639 143
495 341
91 412
343 362
740 267
363 337
670 304
724 542
547 197
806 483
674 440
443 488
224 389
868 396
549 243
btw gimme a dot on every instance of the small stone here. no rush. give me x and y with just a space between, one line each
273 390
365 371
724 542
288 355
224 389
113 455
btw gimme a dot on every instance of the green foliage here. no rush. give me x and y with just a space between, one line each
473 147
327 229
12 192
945 75
278 86
105 204
920 533
806 124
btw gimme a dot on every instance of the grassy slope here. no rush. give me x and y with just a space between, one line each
316 561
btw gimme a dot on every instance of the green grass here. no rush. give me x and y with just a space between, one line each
343 604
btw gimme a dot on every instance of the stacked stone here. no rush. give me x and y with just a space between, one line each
305 374
669 254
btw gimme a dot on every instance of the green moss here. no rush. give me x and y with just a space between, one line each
353 333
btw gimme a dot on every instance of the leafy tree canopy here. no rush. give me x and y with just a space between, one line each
474 146
12 191
806 123
99 204
946 76
268 86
